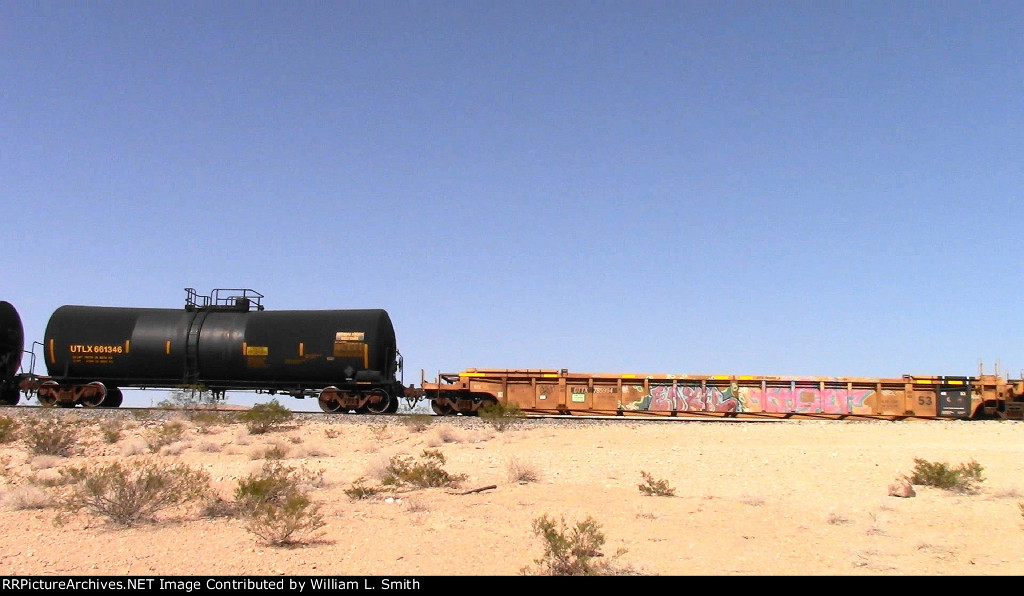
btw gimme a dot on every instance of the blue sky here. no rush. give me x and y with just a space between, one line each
781 188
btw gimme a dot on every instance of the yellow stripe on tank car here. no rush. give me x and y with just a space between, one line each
128 346
167 346
244 348
302 349
53 359
366 356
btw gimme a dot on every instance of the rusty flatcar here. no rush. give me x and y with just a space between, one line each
564 392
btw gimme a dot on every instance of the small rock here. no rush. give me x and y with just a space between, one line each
902 488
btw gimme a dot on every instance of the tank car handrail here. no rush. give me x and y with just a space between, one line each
235 298
32 359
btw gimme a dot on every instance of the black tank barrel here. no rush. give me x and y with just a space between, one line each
223 348
12 341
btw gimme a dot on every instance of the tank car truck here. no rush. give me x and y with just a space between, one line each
347 359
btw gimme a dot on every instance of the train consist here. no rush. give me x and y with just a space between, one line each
348 360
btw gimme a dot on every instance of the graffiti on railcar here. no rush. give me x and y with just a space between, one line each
733 398
688 398
808 400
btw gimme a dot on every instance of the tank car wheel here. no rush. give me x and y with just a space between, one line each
441 409
46 400
92 401
383 405
113 399
329 406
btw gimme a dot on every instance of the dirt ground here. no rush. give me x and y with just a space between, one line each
751 498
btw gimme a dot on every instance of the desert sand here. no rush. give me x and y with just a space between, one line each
751 498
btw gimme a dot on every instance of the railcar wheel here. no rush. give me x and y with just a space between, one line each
441 409
383 405
329 405
113 399
93 400
46 400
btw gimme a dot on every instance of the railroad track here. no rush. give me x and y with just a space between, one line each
665 417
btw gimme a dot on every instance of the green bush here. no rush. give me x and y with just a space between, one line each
571 551
654 487
129 493
276 505
360 490
426 473
963 478
501 416
263 418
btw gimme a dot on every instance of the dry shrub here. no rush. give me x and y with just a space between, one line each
208 447
48 477
50 435
277 506
174 448
264 418
963 478
26 497
573 550
44 462
425 473
133 447
130 493
501 416
111 430
446 434
415 505
359 490
165 434
522 472
272 451
380 430
418 423
655 487
8 429
312 450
